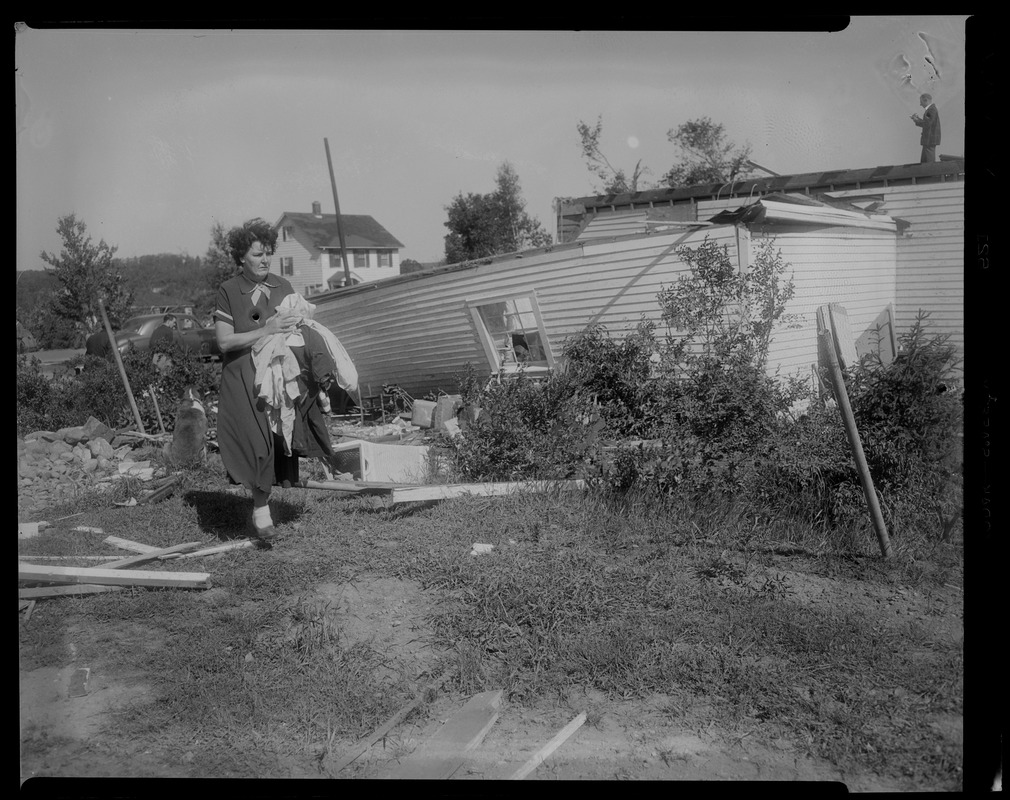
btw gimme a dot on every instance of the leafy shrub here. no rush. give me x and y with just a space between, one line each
34 394
910 419
526 428
716 406
93 387
617 372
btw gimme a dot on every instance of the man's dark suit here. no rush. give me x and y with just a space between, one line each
930 138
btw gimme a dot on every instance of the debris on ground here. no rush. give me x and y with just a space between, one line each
444 752
54 465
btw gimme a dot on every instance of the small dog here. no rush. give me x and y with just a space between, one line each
189 440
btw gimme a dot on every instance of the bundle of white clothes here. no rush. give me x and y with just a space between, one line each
277 368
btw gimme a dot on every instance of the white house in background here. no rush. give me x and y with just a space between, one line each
308 250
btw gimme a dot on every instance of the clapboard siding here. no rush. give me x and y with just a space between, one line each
418 333
930 255
852 267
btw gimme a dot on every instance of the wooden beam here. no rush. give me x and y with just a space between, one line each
113 577
59 591
844 339
394 720
851 431
445 751
126 544
352 487
220 548
444 492
154 555
30 559
538 758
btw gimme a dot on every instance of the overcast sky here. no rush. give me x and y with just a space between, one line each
150 137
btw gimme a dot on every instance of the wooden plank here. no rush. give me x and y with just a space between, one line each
538 758
394 720
353 487
126 544
445 751
220 548
113 577
60 591
847 356
413 494
154 555
160 493
30 559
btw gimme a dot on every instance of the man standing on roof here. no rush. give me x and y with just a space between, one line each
930 124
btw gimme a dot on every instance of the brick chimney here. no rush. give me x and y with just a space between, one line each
317 210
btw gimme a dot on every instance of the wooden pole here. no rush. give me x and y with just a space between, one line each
540 756
157 410
851 432
336 206
119 363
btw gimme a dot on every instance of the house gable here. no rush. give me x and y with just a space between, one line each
308 249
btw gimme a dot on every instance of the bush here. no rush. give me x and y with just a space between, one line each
34 394
910 418
617 372
526 429
93 387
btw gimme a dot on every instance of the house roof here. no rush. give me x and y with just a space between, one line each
574 211
360 230
947 169
803 209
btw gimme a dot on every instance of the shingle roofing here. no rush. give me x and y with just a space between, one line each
360 230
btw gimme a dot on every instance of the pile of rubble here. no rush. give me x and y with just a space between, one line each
53 466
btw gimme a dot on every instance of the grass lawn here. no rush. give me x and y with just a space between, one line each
298 652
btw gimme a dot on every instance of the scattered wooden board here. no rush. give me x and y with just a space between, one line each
113 577
445 751
65 558
61 591
126 544
846 342
538 758
154 555
414 494
353 487
220 548
394 720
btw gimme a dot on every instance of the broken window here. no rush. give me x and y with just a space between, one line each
512 333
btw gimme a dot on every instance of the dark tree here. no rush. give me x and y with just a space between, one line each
484 225
86 273
707 157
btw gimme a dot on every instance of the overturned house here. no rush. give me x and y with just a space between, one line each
849 246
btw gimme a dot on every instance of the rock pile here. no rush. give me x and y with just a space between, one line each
53 466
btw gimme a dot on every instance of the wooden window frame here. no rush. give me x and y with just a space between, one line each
491 349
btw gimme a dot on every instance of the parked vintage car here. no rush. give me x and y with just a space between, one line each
137 331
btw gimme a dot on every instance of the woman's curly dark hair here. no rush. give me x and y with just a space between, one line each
241 238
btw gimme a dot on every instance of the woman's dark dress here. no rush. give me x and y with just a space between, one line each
253 455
